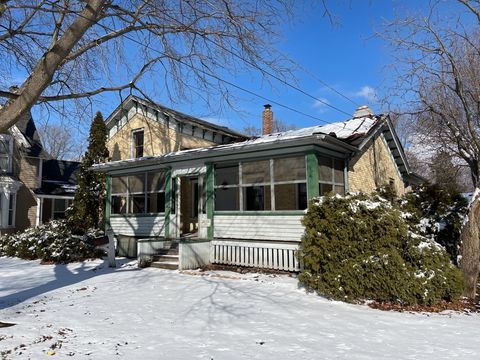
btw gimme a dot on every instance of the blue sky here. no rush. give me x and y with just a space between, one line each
345 55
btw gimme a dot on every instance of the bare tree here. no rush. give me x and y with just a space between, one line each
278 126
59 142
75 49
438 67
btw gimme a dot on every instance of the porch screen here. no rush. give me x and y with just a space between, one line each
119 195
331 175
290 183
155 192
256 185
226 188
138 194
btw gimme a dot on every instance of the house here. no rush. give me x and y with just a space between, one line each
241 203
26 178
139 128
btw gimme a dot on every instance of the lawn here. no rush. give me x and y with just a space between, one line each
89 311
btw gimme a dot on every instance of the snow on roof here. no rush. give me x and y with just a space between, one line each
345 130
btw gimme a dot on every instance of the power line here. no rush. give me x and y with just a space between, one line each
223 80
283 81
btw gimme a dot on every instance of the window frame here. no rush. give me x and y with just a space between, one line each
128 195
267 184
135 147
333 182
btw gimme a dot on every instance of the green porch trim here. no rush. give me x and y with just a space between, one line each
168 202
312 175
108 203
260 213
210 180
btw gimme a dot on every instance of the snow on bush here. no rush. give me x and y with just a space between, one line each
438 214
361 247
50 242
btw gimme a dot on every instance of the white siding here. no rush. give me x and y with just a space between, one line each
138 225
259 227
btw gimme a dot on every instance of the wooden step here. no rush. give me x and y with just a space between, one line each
166 258
170 265
167 252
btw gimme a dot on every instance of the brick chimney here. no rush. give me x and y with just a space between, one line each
267 120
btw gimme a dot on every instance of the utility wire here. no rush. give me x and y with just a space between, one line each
221 79
283 81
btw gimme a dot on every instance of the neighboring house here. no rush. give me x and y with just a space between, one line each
57 189
242 203
22 160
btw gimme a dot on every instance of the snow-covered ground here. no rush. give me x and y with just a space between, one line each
88 311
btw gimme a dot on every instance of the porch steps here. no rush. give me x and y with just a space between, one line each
166 259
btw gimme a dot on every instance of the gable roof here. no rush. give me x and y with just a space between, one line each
26 134
133 100
349 137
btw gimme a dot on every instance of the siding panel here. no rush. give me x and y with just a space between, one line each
258 227
138 225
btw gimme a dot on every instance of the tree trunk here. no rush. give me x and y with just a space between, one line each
470 249
43 72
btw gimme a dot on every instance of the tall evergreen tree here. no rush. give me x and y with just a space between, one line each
88 205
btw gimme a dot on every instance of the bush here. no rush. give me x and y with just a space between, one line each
50 242
437 213
360 247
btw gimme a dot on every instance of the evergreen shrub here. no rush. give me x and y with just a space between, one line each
437 212
50 242
360 247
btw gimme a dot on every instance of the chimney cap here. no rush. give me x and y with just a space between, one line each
267 106
363 111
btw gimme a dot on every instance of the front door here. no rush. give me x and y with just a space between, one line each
189 207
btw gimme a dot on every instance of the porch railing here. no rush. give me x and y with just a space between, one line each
268 255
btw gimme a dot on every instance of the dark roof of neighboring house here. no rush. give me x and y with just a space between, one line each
59 177
31 144
132 99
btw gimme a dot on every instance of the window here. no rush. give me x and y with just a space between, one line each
6 148
155 192
226 188
290 183
59 207
138 194
331 175
138 143
256 185
274 184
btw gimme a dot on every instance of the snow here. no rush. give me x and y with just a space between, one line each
343 130
89 311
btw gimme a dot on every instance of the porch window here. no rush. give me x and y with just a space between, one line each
331 175
6 149
138 140
155 192
290 183
256 184
226 188
119 194
138 194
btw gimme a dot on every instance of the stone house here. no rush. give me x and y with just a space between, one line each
237 201
27 179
